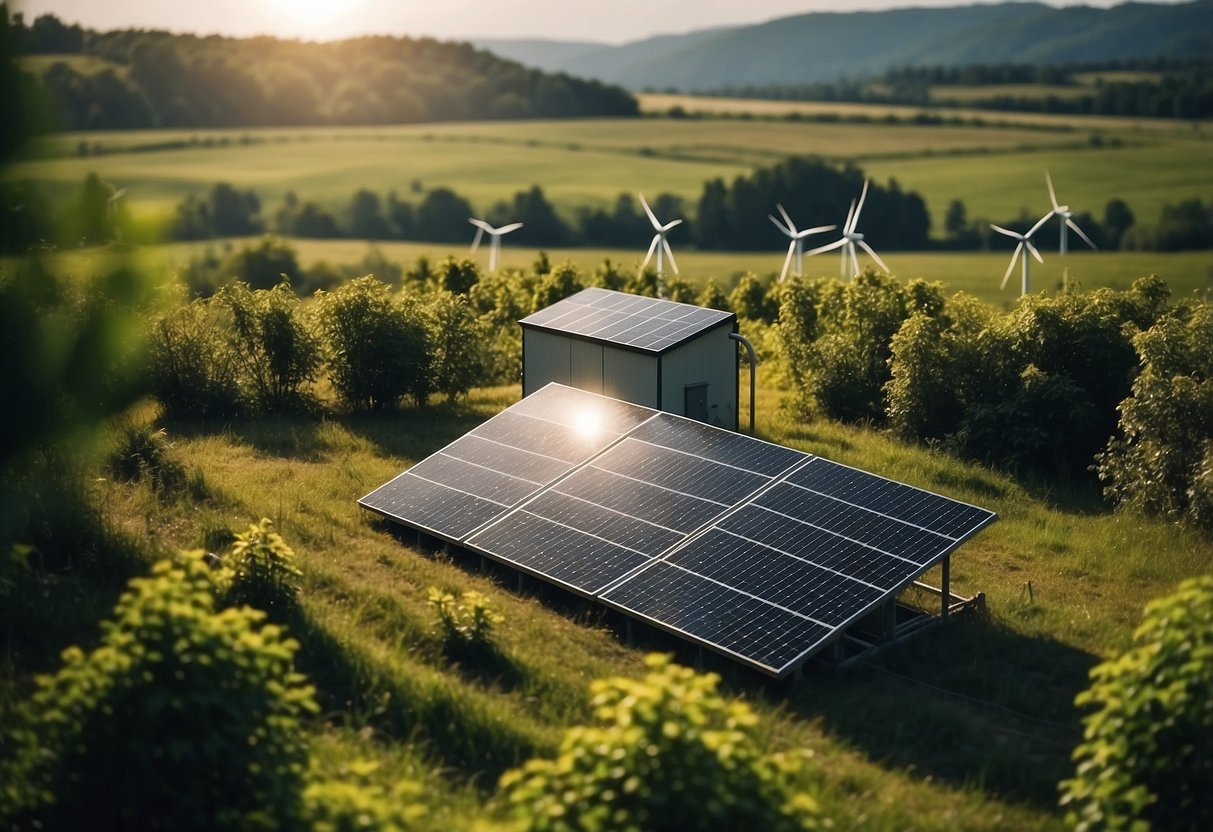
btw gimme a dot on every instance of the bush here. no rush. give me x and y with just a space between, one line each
264 265
750 300
375 344
668 753
468 620
346 801
182 718
1162 459
458 355
190 363
1146 759
273 349
263 570
142 452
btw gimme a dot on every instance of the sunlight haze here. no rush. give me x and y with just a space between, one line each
620 21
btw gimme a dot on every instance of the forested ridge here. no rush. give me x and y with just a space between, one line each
134 78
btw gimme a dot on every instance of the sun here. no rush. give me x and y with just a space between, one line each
313 15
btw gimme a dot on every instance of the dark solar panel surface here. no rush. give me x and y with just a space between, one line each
755 550
488 471
641 323
633 502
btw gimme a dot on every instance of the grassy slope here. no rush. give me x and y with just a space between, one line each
967 726
995 170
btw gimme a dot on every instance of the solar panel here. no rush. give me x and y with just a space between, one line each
632 502
488 471
640 323
757 551
825 543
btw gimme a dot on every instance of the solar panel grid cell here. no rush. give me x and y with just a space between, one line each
646 324
751 630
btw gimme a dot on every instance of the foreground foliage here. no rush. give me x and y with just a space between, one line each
1146 759
668 752
184 717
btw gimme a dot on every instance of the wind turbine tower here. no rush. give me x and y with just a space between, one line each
852 238
1067 218
1025 242
796 246
495 234
659 244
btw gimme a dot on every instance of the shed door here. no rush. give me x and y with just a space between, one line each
695 402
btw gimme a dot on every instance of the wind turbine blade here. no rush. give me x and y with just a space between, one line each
800 235
854 260
780 226
649 211
1032 249
1078 230
481 224
506 229
829 247
1006 231
846 226
1052 193
874 256
118 194
1039 223
1011 267
669 225
652 248
786 218
670 254
787 261
476 239
862 197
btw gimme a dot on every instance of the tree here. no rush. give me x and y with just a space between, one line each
1117 220
442 217
376 344
234 213
1146 759
1160 462
956 221
366 220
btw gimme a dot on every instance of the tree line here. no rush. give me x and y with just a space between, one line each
1182 88
158 79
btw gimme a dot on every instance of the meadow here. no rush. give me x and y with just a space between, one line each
996 169
969 725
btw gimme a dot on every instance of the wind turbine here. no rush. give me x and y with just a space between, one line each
1025 241
797 244
659 242
1066 215
496 234
850 238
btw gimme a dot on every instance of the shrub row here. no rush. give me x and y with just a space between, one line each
1115 382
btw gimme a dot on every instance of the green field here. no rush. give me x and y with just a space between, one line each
996 170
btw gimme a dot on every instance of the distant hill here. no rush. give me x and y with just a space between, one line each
134 79
828 46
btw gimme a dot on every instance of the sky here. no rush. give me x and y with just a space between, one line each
616 21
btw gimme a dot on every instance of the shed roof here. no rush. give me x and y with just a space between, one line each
632 322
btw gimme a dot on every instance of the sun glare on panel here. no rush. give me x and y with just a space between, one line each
313 15
588 423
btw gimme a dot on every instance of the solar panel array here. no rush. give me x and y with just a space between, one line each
760 552
641 323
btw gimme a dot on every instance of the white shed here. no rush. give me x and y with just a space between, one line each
657 353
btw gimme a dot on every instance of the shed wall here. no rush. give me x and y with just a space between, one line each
710 359
545 357
630 376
